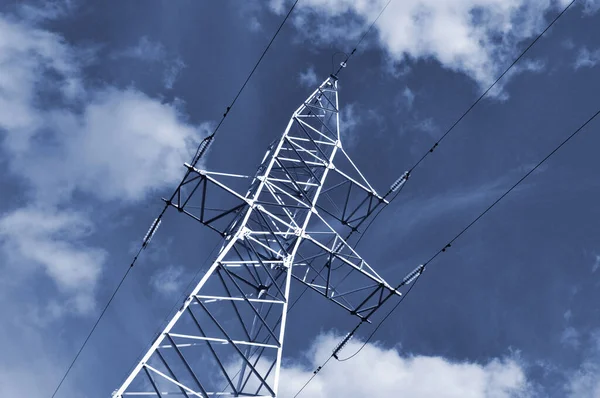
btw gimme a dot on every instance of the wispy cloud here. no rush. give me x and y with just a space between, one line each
587 58
349 119
106 144
85 148
248 11
168 281
48 10
278 6
54 240
417 214
567 315
147 50
591 6
353 116
427 125
356 117
308 78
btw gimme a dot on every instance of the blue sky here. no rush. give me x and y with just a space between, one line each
100 105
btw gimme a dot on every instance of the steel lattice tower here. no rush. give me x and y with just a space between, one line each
296 221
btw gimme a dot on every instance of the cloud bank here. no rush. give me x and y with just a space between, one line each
62 136
477 38
385 373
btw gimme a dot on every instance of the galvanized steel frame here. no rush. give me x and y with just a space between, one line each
290 224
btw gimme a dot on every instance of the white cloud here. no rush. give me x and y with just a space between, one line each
381 372
417 213
53 240
591 6
596 265
145 49
172 73
349 120
27 54
409 97
129 144
355 115
308 78
475 37
570 337
117 144
168 280
585 381
61 136
277 6
587 58
47 10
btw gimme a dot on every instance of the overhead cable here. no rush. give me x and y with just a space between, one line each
448 245
200 151
435 145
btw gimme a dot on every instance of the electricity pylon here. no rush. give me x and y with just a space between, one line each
296 221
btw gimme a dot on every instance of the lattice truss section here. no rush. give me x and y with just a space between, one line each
297 220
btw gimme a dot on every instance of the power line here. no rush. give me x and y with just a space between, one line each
469 109
200 151
202 147
177 303
476 219
91 331
383 320
343 65
313 375
465 113
362 38
538 37
458 235
420 160
319 368
206 142
436 144
513 187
